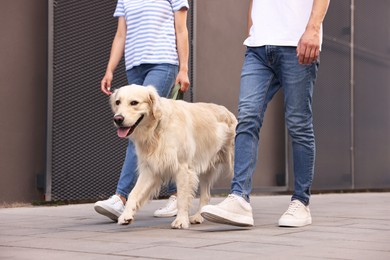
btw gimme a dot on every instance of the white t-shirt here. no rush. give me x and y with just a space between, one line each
278 22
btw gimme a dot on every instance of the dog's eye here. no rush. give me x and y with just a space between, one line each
134 103
117 102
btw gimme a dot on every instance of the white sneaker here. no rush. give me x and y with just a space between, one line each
297 215
111 208
234 210
170 209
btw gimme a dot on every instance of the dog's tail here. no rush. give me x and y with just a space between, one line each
225 157
232 123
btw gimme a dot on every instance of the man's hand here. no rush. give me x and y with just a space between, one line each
308 48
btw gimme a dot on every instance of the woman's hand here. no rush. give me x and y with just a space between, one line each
105 85
183 80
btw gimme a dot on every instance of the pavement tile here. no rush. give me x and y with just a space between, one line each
345 226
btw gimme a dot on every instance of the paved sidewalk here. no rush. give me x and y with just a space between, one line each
345 226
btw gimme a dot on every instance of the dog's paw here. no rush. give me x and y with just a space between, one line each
125 219
179 223
196 219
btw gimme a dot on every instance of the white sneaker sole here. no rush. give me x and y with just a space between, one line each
105 211
165 215
213 214
294 223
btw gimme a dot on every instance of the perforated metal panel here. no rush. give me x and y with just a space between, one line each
84 155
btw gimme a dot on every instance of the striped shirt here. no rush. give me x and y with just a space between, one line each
150 36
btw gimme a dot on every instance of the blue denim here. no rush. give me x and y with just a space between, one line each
162 77
266 70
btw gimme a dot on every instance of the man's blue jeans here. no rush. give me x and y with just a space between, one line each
162 77
265 70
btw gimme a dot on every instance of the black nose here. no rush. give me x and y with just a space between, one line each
118 120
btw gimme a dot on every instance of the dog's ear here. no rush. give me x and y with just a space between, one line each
154 99
113 98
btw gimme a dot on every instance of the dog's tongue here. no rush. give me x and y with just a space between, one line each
123 132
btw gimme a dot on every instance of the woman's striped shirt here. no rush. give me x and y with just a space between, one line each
150 37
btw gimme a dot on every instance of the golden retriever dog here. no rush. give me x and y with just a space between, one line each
190 143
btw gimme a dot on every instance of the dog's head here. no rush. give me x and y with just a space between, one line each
133 107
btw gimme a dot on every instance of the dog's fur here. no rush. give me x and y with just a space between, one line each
192 143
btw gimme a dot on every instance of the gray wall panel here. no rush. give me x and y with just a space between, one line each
331 103
372 97
23 47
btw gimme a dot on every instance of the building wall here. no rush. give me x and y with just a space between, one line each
350 104
23 48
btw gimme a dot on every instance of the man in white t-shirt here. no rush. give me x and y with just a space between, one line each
283 45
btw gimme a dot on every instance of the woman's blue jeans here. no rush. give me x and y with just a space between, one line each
162 77
265 70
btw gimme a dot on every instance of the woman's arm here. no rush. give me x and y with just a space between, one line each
117 49
182 48
249 22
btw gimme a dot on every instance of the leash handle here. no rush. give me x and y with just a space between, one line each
176 93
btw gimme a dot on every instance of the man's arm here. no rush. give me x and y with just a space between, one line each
308 48
249 22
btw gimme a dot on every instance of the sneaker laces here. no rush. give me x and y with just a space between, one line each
230 197
171 200
294 205
115 199
234 197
